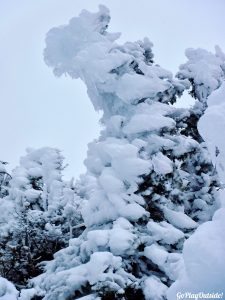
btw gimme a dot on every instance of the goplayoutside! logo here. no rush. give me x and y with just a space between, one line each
200 295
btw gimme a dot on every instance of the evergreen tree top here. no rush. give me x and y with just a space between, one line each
116 76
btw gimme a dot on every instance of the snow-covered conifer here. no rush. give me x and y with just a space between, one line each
4 179
38 215
203 267
147 186
206 72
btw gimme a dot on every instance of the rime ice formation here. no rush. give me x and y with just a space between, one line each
149 181
150 189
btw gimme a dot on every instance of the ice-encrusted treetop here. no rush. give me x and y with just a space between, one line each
113 73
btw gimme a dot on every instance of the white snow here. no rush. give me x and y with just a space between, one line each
179 219
89 297
109 182
102 267
129 168
6 217
99 262
164 232
156 254
27 294
2 167
204 251
97 239
162 164
133 86
203 259
7 290
154 289
146 122
121 241
138 125
212 126
205 68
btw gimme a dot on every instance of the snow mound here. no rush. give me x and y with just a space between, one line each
7 290
203 259
211 125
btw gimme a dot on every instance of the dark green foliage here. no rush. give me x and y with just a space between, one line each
22 252
129 294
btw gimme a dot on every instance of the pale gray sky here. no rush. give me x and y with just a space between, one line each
38 109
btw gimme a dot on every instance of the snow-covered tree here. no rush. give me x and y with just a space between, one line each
40 223
149 182
4 179
205 71
204 251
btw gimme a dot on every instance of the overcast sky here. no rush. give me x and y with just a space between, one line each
39 110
